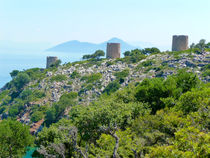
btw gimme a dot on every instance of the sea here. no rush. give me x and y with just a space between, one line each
25 59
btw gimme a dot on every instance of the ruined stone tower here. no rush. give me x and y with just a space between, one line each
113 50
180 43
51 60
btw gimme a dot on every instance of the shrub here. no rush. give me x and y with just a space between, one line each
36 116
112 87
147 63
74 75
120 76
91 78
20 80
59 78
96 55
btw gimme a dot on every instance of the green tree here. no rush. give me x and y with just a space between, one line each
57 110
186 80
36 116
14 138
151 91
96 55
112 87
201 45
21 80
127 53
191 101
149 51
14 73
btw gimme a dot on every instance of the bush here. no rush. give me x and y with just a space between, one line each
91 78
192 101
35 73
20 81
147 63
66 100
74 75
14 138
36 116
112 87
150 91
96 55
58 78
133 56
120 76
149 51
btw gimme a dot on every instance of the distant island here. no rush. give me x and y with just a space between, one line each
86 47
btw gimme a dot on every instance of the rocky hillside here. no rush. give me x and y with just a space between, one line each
90 79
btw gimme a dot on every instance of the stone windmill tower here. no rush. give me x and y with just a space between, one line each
51 60
113 50
179 43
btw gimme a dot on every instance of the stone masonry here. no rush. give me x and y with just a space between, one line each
180 43
51 60
113 50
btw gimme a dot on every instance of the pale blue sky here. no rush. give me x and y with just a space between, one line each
56 21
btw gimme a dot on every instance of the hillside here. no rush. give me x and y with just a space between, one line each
138 99
86 47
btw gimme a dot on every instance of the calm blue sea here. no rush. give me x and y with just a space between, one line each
24 59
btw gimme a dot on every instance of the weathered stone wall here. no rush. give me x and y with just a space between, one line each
51 60
180 43
113 50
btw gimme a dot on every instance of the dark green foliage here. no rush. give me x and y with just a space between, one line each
35 73
96 55
186 80
112 87
200 47
4 97
90 119
147 63
146 51
26 95
133 56
36 116
206 70
20 81
150 91
14 138
120 76
58 78
66 100
192 100
108 63
14 73
29 95
149 51
127 53
173 120
74 75
38 94
16 108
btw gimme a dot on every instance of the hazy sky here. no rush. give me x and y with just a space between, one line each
56 21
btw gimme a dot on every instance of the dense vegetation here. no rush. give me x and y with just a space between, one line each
14 138
157 117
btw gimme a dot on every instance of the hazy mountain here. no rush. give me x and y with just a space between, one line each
86 47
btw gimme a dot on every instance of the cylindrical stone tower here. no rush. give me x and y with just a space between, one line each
113 50
51 60
179 43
